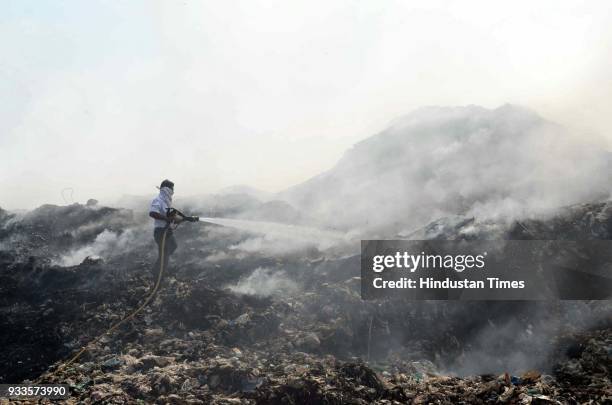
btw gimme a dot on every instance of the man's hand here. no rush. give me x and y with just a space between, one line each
173 218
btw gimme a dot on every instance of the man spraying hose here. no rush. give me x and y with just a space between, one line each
160 208
164 215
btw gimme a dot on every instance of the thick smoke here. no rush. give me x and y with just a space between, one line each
517 346
492 164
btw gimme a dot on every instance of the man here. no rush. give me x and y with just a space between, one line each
158 211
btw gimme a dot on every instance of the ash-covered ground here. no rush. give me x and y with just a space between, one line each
262 317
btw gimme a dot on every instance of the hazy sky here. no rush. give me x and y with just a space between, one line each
110 97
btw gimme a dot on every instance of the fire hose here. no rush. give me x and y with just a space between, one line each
172 212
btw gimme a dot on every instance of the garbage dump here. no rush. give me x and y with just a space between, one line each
69 272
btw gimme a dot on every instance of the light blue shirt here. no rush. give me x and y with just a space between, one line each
160 204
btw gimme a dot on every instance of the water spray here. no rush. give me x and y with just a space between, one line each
277 229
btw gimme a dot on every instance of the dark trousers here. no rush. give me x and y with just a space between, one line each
169 248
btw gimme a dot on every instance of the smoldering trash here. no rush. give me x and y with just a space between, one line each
264 328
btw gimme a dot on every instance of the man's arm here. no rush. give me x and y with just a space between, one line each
159 216
157 211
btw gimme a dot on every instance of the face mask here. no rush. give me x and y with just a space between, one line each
166 190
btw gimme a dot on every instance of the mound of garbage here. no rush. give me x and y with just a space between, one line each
202 340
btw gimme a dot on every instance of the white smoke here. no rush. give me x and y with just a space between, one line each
217 256
106 244
265 282
515 347
436 162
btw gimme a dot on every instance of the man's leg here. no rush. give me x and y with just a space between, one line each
157 235
169 249
170 246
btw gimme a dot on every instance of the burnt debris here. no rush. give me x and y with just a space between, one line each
200 341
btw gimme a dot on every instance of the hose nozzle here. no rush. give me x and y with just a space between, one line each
172 212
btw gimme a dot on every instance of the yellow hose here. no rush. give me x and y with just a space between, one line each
130 316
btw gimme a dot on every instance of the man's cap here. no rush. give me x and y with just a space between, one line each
167 183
